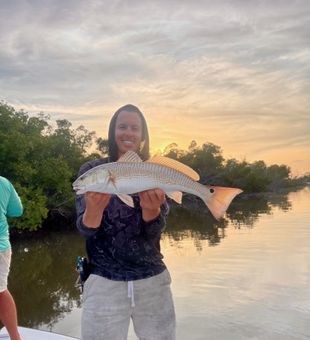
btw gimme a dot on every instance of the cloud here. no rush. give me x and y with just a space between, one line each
236 73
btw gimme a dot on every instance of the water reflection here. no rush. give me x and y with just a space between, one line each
42 278
195 220
184 223
247 210
43 275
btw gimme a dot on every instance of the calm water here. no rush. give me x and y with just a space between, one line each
247 277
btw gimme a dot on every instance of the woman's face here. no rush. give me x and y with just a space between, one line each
128 132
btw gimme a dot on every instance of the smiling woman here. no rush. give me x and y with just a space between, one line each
128 279
128 132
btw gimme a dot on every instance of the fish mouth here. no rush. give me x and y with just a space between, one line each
79 190
77 187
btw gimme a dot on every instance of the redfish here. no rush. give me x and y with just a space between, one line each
131 175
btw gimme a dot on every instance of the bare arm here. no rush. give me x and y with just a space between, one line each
95 204
150 202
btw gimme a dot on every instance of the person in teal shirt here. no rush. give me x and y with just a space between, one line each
10 206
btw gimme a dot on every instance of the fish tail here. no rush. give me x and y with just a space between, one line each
218 199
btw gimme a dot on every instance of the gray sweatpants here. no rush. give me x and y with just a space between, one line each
108 306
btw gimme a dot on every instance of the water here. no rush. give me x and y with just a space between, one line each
243 278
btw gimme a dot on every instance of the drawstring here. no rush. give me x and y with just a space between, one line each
131 293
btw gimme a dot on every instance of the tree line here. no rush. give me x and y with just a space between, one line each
42 158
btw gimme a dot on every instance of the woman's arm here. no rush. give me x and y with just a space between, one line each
154 212
150 202
95 203
90 208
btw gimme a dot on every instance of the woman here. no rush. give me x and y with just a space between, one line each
128 278
11 206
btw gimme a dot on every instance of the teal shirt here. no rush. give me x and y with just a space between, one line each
10 206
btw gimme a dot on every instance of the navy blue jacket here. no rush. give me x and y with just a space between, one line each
123 247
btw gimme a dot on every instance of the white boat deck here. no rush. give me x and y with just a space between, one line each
35 334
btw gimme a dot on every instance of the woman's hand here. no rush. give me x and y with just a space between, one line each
95 204
150 202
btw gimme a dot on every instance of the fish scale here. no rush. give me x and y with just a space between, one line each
148 174
130 175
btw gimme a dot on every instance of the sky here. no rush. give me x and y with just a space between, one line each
232 73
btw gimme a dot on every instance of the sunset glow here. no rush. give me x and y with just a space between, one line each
235 74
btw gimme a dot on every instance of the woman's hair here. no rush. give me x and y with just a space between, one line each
144 153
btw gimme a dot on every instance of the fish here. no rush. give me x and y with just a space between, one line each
130 175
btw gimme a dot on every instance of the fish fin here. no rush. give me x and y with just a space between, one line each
176 165
112 179
220 199
130 156
176 196
126 199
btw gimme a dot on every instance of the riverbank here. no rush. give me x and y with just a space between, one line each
63 219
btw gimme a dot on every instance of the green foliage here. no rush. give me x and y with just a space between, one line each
209 156
41 161
103 146
34 202
249 177
173 152
208 161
